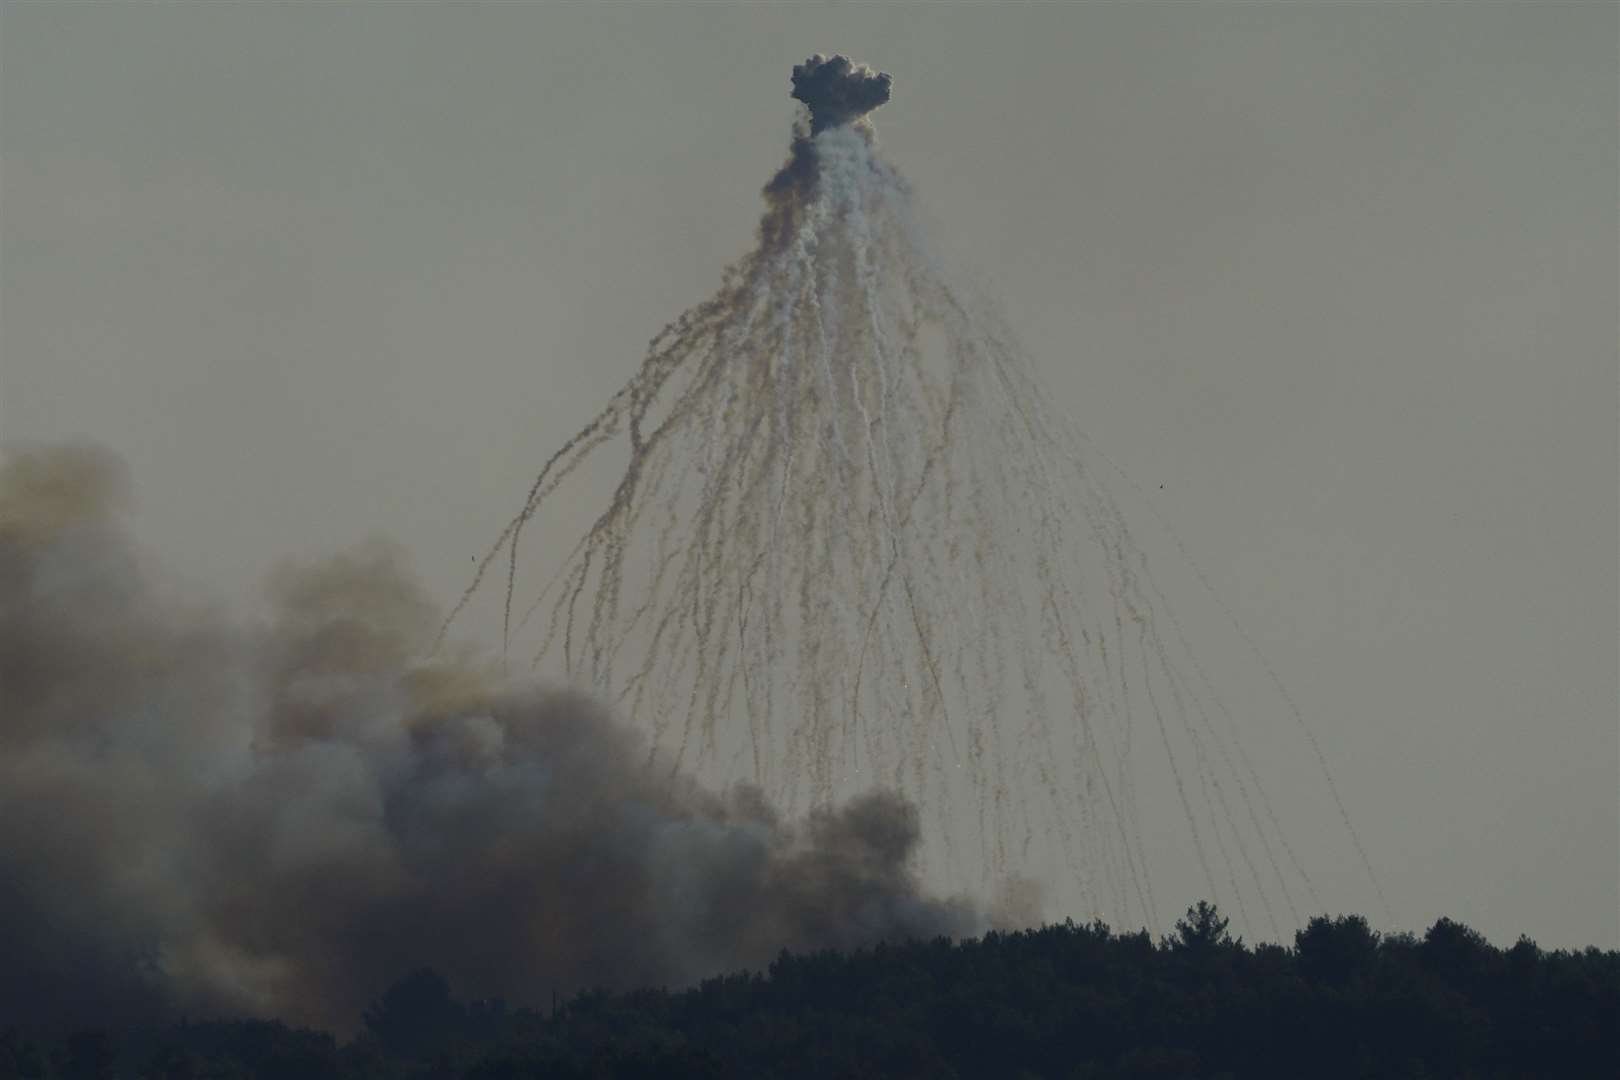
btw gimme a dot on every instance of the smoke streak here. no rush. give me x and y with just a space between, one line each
280 818
853 540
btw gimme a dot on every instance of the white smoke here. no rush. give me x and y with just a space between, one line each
854 542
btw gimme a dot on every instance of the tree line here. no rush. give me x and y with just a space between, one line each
1072 1001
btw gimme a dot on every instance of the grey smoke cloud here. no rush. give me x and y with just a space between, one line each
280 817
838 90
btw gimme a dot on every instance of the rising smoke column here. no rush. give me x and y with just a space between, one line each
279 819
854 543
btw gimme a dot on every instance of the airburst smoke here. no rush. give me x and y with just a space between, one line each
280 819
852 543
837 90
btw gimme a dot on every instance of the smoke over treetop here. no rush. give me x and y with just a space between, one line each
838 90
281 817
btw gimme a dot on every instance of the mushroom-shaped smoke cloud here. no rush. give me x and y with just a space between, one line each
838 90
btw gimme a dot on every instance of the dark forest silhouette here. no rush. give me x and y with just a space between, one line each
1065 1001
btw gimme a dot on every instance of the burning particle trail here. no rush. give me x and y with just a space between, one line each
853 544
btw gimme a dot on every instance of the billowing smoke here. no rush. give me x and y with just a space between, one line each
837 90
279 818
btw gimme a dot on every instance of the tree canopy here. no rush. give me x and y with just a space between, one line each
1062 1001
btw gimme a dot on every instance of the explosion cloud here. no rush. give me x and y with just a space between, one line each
853 541
280 818
837 90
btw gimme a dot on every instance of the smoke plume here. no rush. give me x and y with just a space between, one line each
278 818
837 90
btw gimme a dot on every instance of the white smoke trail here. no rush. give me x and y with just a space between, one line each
854 544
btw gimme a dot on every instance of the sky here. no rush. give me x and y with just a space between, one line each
1341 278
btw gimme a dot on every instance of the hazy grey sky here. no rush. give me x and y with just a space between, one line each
1341 277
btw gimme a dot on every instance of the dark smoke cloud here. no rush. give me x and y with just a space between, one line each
279 818
838 90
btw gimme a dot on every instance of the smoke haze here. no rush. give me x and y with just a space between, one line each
280 818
